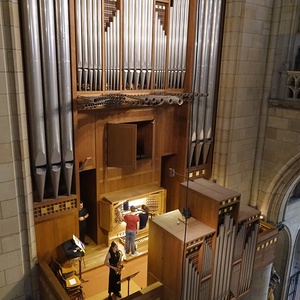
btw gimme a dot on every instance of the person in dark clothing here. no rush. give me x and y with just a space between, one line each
112 260
83 215
144 216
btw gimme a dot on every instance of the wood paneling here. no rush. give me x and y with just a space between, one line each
52 233
86 140
121 145
266 245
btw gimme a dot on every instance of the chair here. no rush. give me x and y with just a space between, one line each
66 274
67 269
72 286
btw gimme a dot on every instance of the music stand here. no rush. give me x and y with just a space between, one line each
128 280
80 244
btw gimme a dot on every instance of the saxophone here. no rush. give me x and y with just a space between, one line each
120 265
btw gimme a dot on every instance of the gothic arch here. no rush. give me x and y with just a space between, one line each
282 261
279 190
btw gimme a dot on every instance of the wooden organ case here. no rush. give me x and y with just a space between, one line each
209 255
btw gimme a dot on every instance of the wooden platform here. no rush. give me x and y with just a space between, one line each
95 255
96 281
133 287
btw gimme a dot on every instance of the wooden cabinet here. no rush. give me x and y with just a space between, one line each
175 253
129 142
214 250
210 202
113 206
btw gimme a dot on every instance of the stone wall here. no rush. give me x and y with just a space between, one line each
17 237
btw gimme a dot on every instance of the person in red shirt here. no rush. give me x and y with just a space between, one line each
132 225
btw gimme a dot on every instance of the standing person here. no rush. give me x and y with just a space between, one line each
113 257
144 216
83 215
132 225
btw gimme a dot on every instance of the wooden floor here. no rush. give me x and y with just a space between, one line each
134 277
94 274
95 255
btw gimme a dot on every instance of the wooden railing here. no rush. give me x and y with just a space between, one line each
50 287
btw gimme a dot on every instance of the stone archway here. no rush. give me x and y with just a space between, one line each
281 262
287 210
280 211
279 191
294 287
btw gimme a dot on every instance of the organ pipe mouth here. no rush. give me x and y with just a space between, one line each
123 100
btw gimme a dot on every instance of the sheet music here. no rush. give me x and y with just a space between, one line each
79 243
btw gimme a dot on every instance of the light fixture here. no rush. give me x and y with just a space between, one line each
85 163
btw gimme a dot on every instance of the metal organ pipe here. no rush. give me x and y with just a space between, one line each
99 44
137 48
184 43
49 90
47 18
90 46
31 40
95 45
84 43
196 120
125 41
78 44
64 84
131 39
223 259
117 49
208 27
205 63
186 279
150 8
248 261
144 28
159 56
212 76
178 43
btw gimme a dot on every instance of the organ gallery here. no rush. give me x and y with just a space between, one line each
122 98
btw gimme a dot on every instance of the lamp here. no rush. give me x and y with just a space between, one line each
85 163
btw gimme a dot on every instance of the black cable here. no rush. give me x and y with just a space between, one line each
188 159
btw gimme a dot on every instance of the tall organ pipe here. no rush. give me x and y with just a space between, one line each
205 62
84 43
64 83
50 91
99 37
95 45
90 44
212 75
33 82
79 47
197 116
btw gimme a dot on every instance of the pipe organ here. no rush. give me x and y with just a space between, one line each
46 47
213 250
129 44
151 52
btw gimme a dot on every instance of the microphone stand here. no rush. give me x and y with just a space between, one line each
80 277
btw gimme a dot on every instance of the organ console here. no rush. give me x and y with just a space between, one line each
113 208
